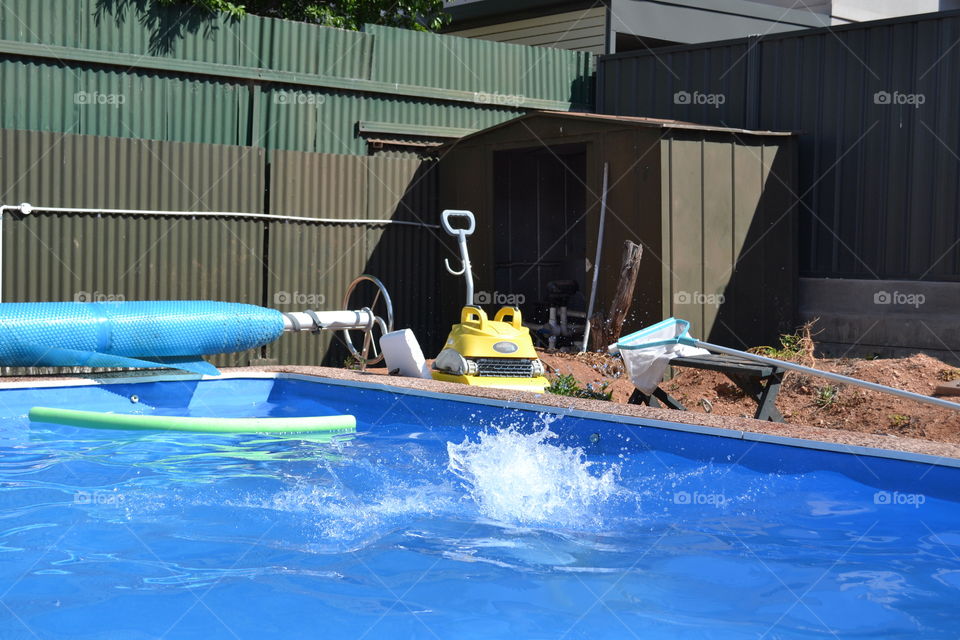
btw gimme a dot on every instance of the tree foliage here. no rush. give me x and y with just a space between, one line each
422 15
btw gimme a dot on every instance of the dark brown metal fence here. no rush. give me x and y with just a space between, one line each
284 264
875 107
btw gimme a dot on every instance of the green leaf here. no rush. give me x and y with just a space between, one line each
420 15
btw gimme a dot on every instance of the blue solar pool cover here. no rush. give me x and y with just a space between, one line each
172 333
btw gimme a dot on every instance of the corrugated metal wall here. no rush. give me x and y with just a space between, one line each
326 122
97 97
86 258
728 235
65 170
875 107
287 265
311 265
125 69
44 95
647 85
468 64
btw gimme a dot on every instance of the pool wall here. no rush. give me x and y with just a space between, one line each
596 432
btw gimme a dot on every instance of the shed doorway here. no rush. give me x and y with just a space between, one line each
539 219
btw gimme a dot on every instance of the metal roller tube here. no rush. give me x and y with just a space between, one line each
324 320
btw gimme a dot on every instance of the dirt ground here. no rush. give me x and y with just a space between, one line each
803 400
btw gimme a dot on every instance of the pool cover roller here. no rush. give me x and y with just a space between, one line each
170 334
330 425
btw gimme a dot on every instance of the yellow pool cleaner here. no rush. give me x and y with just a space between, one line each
494 353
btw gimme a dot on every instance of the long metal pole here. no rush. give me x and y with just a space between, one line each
836 377
596 261
467 268
213 214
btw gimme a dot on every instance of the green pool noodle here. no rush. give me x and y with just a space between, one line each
331 425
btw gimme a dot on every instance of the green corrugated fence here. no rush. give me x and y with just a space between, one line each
284 264
114 68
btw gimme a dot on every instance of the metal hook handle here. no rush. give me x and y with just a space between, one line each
450 269
461 236
458 213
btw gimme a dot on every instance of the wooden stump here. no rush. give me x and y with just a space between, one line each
606 329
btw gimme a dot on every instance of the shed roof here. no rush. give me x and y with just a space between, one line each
655 123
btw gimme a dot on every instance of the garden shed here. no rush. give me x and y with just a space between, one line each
715 209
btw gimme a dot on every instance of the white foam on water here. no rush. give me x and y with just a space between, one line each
523 478
343 517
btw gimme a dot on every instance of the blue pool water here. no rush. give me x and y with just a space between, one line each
452 519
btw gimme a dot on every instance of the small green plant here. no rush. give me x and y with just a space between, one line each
567 385
825 397
899 421
350 362
793 346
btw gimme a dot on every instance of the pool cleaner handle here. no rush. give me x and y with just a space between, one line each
461 235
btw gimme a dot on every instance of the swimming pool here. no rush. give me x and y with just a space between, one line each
447 516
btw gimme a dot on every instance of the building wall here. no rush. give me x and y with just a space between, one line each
878 181
843 11
691 21
846 11
653 22
814 6
580 30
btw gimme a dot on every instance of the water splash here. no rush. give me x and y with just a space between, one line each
341 518
522 478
